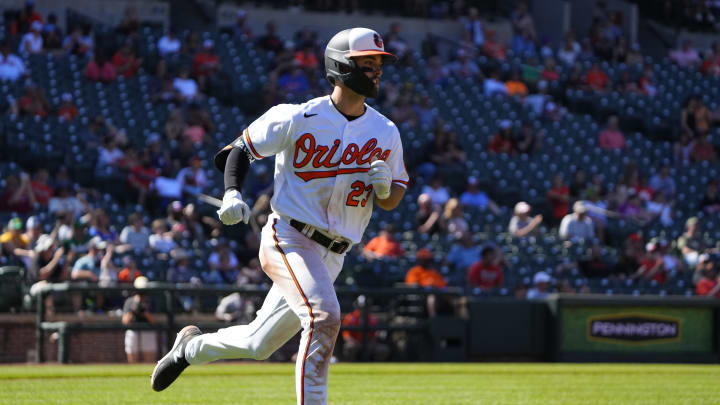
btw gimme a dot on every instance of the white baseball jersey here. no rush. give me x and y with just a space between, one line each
322 160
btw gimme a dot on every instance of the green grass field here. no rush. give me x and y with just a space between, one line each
437 384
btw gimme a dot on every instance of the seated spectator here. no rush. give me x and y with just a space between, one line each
659 207
110 157
541 285
241 28
270 41
558 197
476 198
66 200
33 102
355 341
294 82
169 44
17 195
422 274
686 55
186 86
576 78
653 265
662 182
454 218
428 217
502 142
67 109
492 47
702 150
691 243
488 272
383 245
437 191
306 58
597 79
444 156
515 85
224 266
521 225
626 84
13 238
78 44
549 72
463 252
181 271
125 62
437 72
711 64
206 63
161 239
526 140
594 265
464 66
87 267
41 188
493 84
577 225
711 200
52 34
135 234
537 101
100 68
634 209
709 284
611 137
569 51
12 67
32 42
129 272
647 82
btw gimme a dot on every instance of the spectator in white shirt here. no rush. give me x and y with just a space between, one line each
186 86
685 55
135 233
577 225
161 240
493 84
521 224
32 42
662 182
168 44
569 52
11 67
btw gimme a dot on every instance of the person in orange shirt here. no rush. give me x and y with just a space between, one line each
383 245
67 109
422 274
130 272
515 86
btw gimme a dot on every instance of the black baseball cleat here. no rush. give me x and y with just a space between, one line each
169 368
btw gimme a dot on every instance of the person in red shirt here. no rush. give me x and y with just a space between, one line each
353 339
205 64
492 47
502 141
597 79
709 284
125 61
67 109
423 275
558 197
702 150
40 187
34 102
383 245
141 175
549 71
100 68
611 137
652 266
486 273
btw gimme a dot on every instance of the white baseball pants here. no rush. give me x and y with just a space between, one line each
302 297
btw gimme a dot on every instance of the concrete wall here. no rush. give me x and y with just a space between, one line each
107 11
326 25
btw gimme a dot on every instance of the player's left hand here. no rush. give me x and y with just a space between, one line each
381 178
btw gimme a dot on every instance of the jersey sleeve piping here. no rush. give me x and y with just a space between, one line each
249 142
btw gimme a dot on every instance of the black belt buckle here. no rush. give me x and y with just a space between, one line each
338 247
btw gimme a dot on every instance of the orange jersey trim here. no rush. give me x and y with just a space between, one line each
307 303
249 142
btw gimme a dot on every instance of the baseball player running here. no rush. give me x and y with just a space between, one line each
335 158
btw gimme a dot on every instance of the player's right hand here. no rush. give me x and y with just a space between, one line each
233 209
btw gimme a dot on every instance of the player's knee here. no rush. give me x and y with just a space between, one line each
330 318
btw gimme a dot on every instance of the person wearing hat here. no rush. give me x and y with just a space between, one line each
476 198
355 340
690 243
423 275
653 265
577 225
50 264
33 230
13 237
541 285
205 63
32 42
140 345
521 225
705 262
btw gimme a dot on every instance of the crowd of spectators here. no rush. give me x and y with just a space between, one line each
161 174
